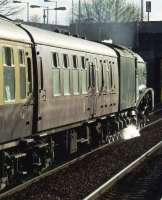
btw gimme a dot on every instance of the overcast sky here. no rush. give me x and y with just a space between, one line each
65 16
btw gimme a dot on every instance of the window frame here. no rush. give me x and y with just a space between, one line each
58 68
108 75
64 69
114 75
68 60
57 58
4 59
96 72
83 57
100 73
82 70
76 65
4 65
111 76
75 68
22 65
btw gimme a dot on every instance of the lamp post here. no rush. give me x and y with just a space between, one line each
141 10
44 16
55 9
72 10
27 4
79 16
44 12
47 9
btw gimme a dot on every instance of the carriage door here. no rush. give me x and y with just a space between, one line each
91 87
26 86
106 88
42 100
100 87
114 85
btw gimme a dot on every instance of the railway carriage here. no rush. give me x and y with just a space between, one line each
15 63
60 93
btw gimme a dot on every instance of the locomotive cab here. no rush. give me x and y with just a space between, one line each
141 76
144 95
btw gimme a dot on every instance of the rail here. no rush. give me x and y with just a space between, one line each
106 186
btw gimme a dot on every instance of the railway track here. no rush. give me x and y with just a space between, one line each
115 179
25 185
143 183
48 173
105 191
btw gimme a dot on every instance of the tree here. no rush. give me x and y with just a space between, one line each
103 11
8 9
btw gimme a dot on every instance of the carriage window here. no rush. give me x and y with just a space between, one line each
66 75
8 56
75 76
9 74
111 77
84 75
55 59
84 81
21 57
75 81
83 62
107 75
65 60
29 75
100 76
56 82
96 74
56 75
66 82
22 74
75 61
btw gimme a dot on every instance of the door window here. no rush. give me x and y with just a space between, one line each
22 66
75 75
84 74
56 75
66 74
9 74
100 76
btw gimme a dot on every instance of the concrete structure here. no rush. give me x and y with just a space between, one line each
121 33
149 46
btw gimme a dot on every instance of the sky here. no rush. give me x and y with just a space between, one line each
65 16
156 7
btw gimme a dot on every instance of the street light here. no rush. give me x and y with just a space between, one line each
44 13
72 10
142 11
79 16
57 8
27 4
47 9
48 1
35 6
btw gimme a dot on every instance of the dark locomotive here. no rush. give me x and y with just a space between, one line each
60 93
